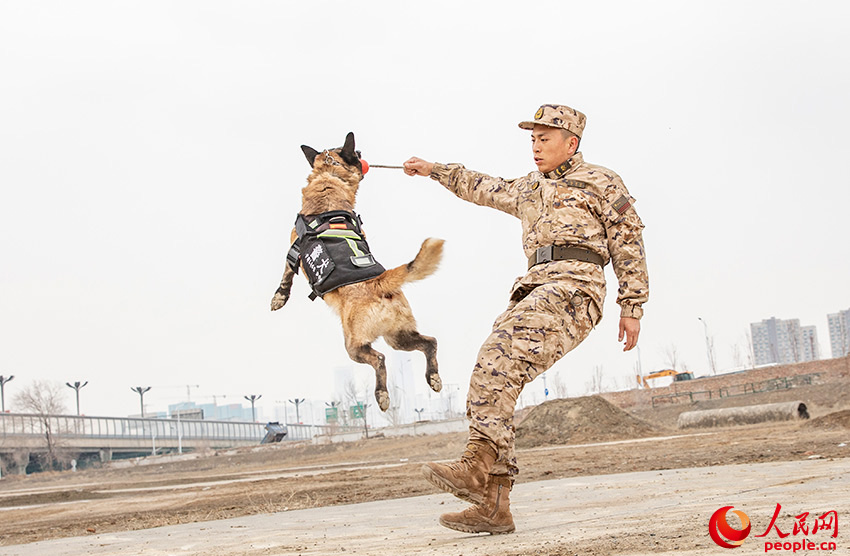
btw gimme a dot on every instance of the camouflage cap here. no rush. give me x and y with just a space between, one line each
556 115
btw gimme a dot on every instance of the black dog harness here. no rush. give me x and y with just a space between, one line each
333 250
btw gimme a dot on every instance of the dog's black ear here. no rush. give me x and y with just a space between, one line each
348 147
310 153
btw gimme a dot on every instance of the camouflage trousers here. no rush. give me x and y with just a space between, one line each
536 330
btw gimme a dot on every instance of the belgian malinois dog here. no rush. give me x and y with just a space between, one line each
374 307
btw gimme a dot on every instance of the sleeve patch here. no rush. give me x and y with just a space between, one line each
622 204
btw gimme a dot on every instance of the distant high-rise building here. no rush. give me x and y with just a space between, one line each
809 337
839 333
783 341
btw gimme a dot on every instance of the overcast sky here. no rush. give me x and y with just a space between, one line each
150 172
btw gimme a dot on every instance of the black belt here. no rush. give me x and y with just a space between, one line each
564 253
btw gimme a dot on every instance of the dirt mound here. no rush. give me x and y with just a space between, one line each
578 421
831 421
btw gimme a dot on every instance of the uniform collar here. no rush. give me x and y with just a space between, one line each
565 168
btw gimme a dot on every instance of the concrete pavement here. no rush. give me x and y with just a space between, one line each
628 513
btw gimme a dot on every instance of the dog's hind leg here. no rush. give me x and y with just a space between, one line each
367 354
409 340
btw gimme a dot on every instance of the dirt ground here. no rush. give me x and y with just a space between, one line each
291 476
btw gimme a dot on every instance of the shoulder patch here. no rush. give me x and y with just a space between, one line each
622 204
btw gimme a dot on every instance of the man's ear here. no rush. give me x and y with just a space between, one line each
349 143
572 144
310 153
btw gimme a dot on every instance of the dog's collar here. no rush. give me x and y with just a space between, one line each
329 159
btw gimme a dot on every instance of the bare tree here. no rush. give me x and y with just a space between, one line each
393 415
356 397
623 382
46 400
751 352
596 380
712 357
671 355
638 376
737 358
559 386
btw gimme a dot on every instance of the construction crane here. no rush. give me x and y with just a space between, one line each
677 376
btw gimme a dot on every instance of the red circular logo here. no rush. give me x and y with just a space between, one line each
722 533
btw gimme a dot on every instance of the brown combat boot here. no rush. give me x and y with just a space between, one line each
466 478
493 516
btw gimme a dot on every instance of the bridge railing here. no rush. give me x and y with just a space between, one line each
73 426
128 428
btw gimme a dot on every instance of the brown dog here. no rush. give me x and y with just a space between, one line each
370 308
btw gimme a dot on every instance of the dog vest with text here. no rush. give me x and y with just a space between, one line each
333 251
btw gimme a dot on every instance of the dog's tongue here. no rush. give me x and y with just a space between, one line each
365 166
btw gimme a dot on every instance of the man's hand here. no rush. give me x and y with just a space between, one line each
630 328
418 167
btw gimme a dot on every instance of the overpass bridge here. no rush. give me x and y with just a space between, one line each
24 437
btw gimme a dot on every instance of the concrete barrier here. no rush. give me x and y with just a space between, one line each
745 415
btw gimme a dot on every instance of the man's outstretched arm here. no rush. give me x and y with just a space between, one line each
475 187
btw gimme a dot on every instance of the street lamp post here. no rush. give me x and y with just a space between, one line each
418 417
3 381
140 390
179 434
708 348
253 398
297 402
76 386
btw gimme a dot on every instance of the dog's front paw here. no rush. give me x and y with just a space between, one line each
279 300
383 399
435 382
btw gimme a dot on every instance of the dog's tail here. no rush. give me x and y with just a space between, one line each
423 265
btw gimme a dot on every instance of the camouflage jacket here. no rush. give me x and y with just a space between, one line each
578 204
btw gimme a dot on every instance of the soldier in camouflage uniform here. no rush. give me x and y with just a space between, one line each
576 217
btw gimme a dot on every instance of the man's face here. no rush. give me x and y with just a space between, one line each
550 147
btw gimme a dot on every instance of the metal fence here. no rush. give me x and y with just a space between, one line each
742 389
